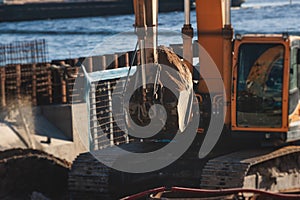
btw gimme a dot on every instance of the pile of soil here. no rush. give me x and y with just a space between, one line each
173 78
24 172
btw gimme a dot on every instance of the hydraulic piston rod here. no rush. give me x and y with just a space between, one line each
187 35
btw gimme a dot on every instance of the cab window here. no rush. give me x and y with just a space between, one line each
259 85
293 83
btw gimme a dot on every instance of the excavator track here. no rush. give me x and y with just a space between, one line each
269 169
90 179
14 154
23 171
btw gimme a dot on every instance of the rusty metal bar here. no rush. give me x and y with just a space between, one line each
18 80
94 121
116 61
3 97
89 64
49 76
103 63
126 59
111 138
63 91
34 85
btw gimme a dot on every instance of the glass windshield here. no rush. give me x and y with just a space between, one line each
259 85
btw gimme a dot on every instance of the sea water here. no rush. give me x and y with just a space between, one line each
71 38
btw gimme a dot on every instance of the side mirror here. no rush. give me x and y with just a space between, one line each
298 56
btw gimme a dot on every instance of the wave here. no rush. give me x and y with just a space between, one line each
295 33
57 32
162 32
268 5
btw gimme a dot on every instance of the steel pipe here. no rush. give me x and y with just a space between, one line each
227 12
187 11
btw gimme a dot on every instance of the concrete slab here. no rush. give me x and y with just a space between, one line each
60 116
43 127
44 134
9 138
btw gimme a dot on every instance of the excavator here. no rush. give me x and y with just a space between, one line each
239 94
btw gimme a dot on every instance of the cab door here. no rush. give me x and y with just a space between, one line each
294 83
260 87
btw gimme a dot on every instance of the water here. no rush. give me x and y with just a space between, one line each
70 38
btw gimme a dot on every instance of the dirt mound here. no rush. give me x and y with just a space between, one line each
25 171
168 82
167 57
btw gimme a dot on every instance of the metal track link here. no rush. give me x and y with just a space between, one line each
18 153
22 171
230 171
89 178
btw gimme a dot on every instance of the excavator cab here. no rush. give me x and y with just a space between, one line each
265 92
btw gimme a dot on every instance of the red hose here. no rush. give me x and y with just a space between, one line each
214 192
144 194
236 190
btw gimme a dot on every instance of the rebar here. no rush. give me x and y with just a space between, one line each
24 52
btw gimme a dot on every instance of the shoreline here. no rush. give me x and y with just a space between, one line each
57 10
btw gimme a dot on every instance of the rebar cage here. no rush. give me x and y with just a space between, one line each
24 52
106 128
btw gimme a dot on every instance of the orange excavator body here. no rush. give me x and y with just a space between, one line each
215 37
253 82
